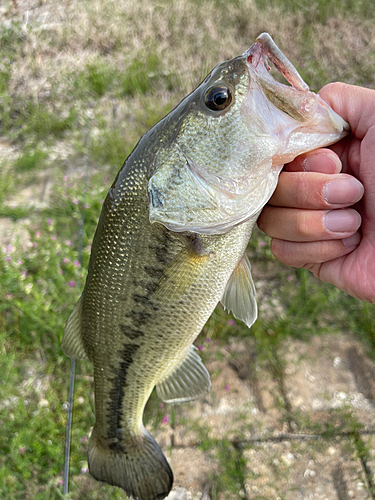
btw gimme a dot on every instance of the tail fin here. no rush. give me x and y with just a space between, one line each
139 467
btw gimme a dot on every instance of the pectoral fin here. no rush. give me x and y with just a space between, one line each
72 344
184 270
187 382
239 295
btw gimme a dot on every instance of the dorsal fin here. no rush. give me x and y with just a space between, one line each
239 295
72 344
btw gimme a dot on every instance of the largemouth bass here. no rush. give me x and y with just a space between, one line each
170 244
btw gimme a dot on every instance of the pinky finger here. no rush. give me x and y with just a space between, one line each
298 254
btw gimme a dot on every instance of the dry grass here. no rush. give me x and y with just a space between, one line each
59 41
188 37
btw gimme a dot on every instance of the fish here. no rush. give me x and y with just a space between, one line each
170 244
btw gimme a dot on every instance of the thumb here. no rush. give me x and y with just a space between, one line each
356 105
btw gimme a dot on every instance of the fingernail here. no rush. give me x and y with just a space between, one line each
353 241
342 221
322 162
347 190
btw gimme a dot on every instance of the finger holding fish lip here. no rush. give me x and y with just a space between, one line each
321 160
304 234
309 186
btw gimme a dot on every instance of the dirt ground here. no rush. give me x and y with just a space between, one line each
309 447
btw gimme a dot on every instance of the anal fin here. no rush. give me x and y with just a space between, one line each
239 295
187 382
72 344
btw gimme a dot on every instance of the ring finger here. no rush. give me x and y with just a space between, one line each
296 254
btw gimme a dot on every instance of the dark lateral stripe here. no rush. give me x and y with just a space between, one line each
154 272
130 332
161 247
139 318
117 393
141 299
144 301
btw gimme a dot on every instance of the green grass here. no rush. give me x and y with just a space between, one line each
233 470
144 74
31 159
39 121
77 96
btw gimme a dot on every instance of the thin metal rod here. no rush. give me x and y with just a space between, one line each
69 425
73 361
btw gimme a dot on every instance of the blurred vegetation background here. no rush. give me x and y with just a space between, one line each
80 82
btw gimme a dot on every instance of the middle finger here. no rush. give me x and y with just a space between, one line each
308 225
313 190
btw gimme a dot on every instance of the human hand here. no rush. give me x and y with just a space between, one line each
319 218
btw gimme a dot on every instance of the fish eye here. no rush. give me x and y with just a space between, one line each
218 98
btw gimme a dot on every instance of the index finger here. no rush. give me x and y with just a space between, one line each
320 160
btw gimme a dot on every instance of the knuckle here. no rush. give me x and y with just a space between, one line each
302 226
284 252
307 190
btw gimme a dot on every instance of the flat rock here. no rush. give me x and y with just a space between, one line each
192 470
325 374
236 408
184 494
319 470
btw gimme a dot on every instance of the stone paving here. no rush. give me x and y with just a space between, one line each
309 437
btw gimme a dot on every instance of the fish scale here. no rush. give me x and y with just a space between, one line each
170 244
151 244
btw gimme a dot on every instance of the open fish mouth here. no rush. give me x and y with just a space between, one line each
295 100
265 46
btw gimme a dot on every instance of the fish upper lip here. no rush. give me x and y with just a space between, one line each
295 99
263 48
255 55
